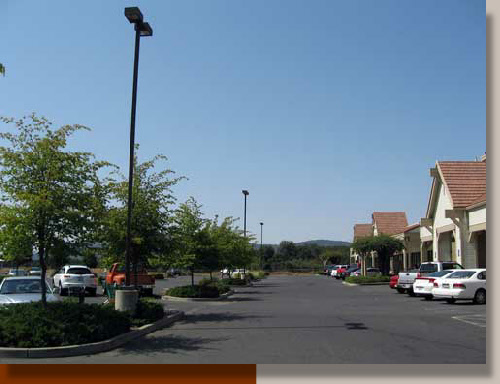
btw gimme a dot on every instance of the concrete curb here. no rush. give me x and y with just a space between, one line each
92 348
357 284
224 296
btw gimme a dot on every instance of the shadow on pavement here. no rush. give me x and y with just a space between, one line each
170 344
214 317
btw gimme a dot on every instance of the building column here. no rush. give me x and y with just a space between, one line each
405 261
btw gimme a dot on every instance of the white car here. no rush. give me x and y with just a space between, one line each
24 289
468 284
424 285
239 272
369 272
75 276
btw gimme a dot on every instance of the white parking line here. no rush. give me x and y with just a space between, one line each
477 320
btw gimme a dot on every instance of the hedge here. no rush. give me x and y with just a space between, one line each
367 279
30 325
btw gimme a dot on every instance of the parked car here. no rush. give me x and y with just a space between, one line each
24 289
369 272
469 284
393 281
35 271
145 282
424 285
239 272
406 279
329 268
75 276
348 271
341 268
17 272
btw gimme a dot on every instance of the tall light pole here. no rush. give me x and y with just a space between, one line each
134 16
261 225
245 192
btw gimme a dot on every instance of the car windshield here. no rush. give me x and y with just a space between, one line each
79 271
461 275
439 274
428 268
21 286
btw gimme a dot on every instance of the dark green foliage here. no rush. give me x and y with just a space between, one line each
384 245
194 291
31 325
231 281
147 311
367 279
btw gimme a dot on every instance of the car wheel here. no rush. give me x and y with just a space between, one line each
428 298
62 291
93 292
411 293
400 290
480 297
450 300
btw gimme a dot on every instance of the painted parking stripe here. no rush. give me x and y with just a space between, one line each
477 320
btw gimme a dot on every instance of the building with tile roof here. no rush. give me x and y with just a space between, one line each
455 224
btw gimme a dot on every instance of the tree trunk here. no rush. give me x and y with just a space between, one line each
192 277
211 278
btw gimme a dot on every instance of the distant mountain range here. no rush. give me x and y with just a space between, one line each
323 243
326 243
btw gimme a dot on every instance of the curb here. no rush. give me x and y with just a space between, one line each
92 348
224 296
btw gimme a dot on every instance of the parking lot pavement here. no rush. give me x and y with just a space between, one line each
312 319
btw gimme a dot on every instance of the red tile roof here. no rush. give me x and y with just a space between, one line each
390 223
410 227
362 230
466 181
479 200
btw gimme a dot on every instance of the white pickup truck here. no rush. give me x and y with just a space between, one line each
406 279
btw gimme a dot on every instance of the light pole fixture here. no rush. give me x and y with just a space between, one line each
134 16
245 192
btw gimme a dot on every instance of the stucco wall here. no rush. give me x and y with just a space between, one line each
477 215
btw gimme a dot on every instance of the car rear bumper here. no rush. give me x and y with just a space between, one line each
447 293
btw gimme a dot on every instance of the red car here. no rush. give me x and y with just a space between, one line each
394 281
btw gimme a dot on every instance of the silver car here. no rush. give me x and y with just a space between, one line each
24 289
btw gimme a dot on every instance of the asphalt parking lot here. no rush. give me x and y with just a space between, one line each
310 319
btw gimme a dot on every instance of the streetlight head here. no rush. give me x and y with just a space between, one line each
245 192
261 223
145 30
133 14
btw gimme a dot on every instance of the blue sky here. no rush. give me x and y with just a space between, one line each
324 110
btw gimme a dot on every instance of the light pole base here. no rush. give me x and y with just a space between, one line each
126 300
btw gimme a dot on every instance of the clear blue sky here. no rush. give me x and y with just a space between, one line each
324 110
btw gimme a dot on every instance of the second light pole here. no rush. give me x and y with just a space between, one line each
245 192
134 15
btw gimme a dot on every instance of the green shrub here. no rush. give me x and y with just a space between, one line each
234 281
367 279
147 311
30 325
194 291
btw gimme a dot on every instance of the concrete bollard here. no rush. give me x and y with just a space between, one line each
126 300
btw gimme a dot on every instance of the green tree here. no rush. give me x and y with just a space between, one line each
189 223
384 245
16 242
2 69
151 220
51 190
